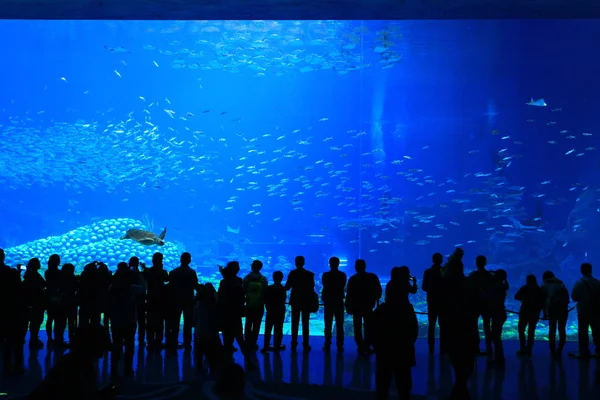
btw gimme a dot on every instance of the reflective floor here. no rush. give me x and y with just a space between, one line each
527 379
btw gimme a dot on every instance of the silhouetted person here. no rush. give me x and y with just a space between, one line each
103 281
230 307
74 376
275 297
395 332
532 300
497 313
34 290
556 309
172 317
185 281
206 332
458 317
70 286
89 308
332 294
140 301
55 316
127 285
586 292
254 287
14 320
156 277
401 283
301 282
4 299
362 295
482 280
432 285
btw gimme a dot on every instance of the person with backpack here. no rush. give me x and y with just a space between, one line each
586 292
532 299
254 285
556 310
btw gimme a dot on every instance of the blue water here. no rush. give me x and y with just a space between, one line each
387 141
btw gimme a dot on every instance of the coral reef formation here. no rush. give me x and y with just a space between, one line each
99 241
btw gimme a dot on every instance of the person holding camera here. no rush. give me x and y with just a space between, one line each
401 283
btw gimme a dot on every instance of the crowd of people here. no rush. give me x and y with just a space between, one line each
108 309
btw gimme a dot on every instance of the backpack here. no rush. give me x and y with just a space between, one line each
254 293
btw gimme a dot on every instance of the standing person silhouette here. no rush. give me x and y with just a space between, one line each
301 282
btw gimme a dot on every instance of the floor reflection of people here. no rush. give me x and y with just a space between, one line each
527 385
296 376
188 371
584 380
34 367
558 384
431 383
172 367
154 367
493 381
361 373
140 367
277 367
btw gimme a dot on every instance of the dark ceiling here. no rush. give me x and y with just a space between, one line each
297 9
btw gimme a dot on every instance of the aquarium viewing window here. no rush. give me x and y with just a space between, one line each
381 140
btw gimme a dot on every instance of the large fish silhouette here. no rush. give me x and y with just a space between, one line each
537 103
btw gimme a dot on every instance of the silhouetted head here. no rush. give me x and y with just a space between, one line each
256 266
437 259
68 269
500 275
231 269
34 265
480 262
2 256
208 293
400 274
157 259
547 275
122 267
200 290
360 265
459 253
334 263
134 262
277 276
531 280
299 261
586 269
186 259
103 268
53 261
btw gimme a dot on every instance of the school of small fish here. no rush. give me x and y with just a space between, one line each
163 145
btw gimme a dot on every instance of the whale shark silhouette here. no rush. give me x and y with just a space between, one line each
537 103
